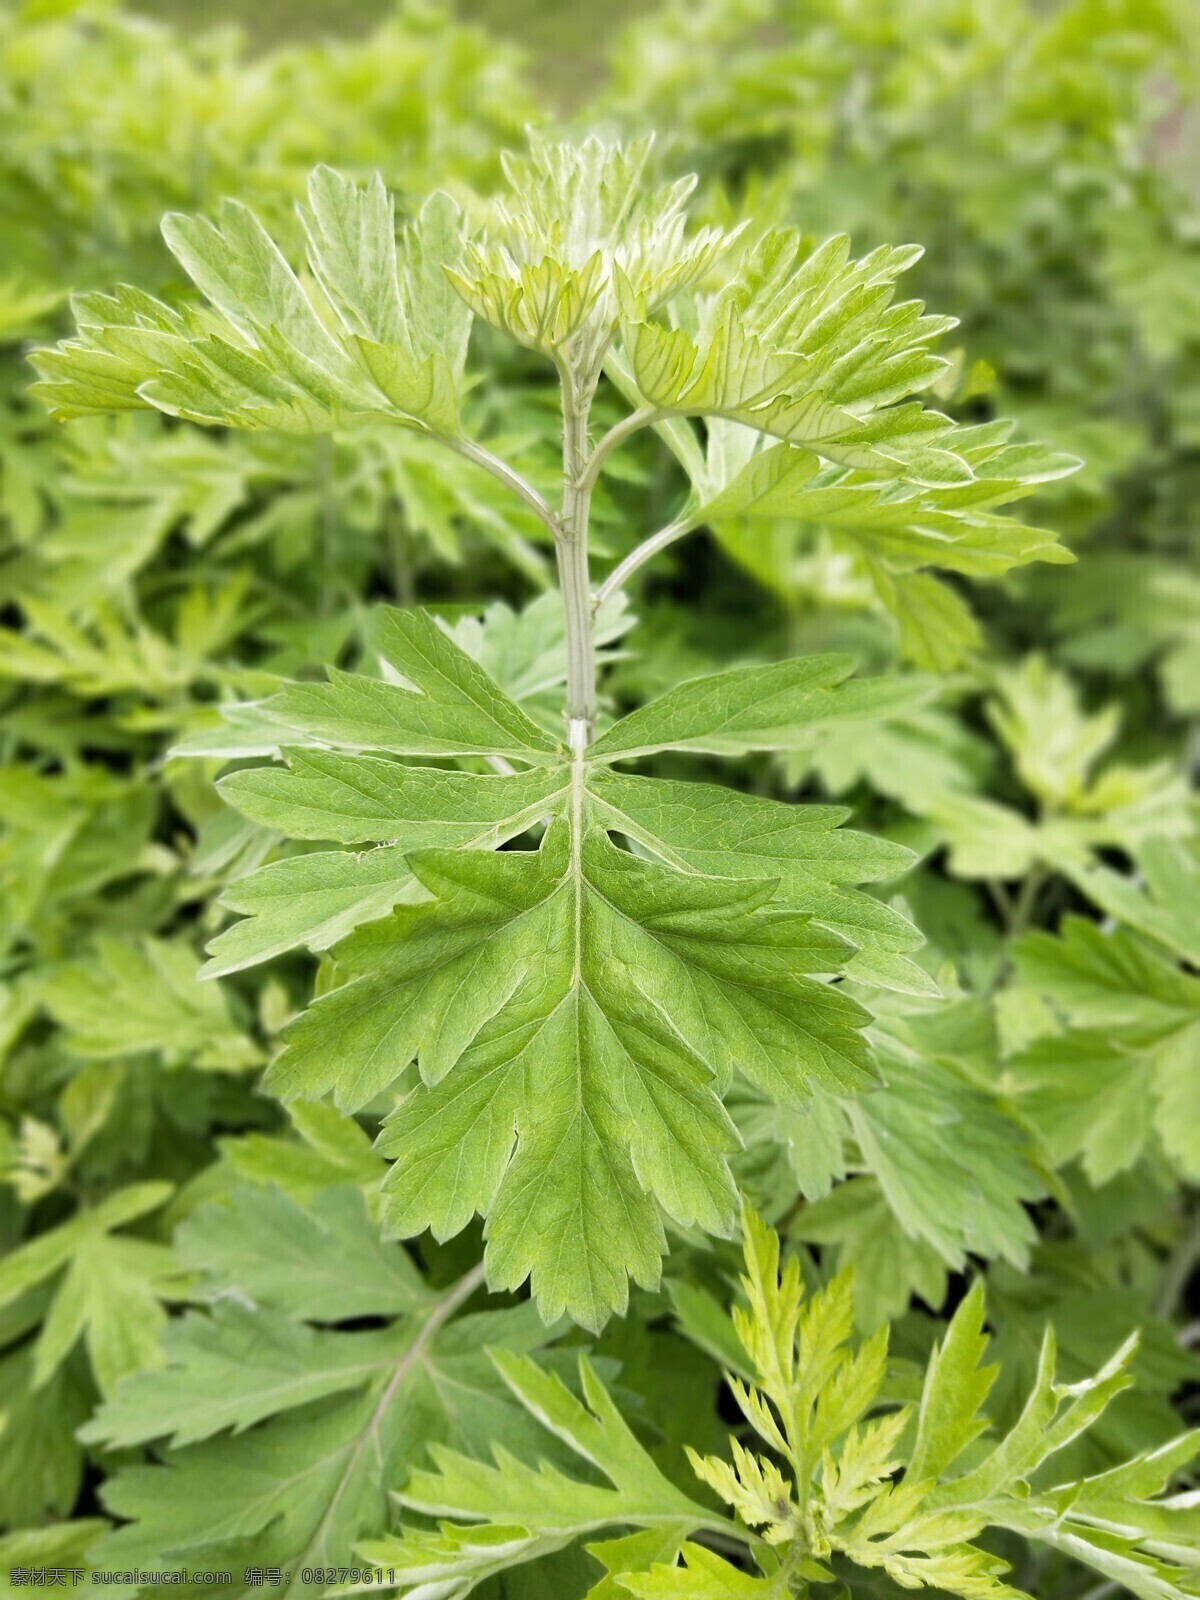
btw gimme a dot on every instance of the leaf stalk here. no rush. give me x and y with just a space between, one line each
483 457
646 551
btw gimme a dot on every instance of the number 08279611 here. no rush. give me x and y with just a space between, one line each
366 1575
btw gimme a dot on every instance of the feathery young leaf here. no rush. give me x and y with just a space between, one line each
516 1512
372 338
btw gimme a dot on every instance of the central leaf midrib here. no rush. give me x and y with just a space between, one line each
578 792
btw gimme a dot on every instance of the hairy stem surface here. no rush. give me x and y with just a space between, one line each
572 548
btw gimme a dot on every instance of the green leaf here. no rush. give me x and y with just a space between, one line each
242 272
110 1296
891 510
231 1368
804 344
768 1332
66 837
592 1428
985 839
403 320
705 829
331 1149
1107 980
703 1576
1087 1095
590 986
936 628
318 899
1054 748
630 1554
41 1462
373 338
1041 1429
514 1512
915 757
754 708
1164 905
452 707
577 226
703 1319
129 998
110 1290
322 1259
889 1266
1053 744
615 995
299 1432
747 481
60 1547
956 1386
1091 1314
801 342
1117 1012
313 900
30 1263
353 800
863 1484
352 250
955 1169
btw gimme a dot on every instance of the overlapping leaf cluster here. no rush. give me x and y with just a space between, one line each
574 1011
646 957
335 1414
840 1476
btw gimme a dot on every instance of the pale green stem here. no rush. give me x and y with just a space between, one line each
1026 900
646 551
482 457
572 548
570 530
581 653
617 434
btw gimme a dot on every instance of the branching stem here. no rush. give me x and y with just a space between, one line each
646 551
1026 900
645 417
570 530
581 471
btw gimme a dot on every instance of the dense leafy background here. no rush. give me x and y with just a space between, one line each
1042 1122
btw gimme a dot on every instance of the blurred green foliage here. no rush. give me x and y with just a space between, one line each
1046 156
